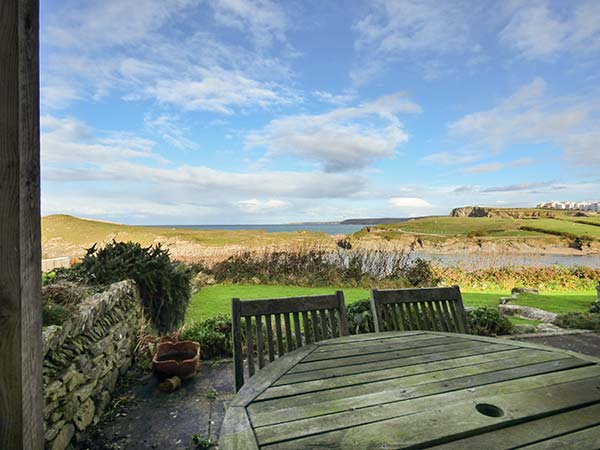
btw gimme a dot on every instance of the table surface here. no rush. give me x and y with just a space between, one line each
418 390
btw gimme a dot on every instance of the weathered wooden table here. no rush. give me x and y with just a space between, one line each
419 390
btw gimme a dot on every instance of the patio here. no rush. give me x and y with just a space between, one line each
153 419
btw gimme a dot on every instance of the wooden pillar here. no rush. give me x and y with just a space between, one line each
21 425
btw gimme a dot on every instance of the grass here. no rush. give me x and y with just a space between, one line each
212 300
64 235
559 302
216 299
442 228
568 226
460 226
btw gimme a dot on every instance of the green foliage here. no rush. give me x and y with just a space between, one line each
505 278
60 301
583 321
48 277
488 322
213 334
202 443
54 314
164 285
63 293
420 273
314 266
595 307
360 318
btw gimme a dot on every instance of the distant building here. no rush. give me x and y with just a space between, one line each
576 206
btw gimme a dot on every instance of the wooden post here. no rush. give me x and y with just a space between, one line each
21 425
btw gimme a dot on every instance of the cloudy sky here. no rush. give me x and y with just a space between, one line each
257 111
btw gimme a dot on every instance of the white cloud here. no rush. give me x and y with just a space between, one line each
494 167
538 32
264 20
110 22
452 158
334 99
65 140
412 25
530 115
218 90
519 187
393 30
409 202
342 139
74 152
255 206
133 50
170 130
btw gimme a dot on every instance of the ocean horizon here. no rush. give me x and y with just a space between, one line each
329 228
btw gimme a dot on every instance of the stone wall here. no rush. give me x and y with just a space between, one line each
84 358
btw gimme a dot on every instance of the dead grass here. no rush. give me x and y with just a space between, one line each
64 235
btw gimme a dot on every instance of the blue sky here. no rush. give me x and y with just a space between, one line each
239 111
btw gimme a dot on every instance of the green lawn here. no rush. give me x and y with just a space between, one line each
462 226
491 227
216 299
560 302
564 226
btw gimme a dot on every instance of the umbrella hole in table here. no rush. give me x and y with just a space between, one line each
489 410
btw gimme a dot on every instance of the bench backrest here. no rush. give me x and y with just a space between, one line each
273 327
433 309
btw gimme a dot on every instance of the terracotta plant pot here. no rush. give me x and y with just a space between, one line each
177 359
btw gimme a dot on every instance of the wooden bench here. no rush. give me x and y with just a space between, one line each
287 323
432 309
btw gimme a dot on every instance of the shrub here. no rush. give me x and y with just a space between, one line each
60 302
583 321
419 273
48 277
53 314
314 266
505 278
65 293
213 334
488 322
164 285
360 318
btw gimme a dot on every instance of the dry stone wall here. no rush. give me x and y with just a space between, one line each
84 358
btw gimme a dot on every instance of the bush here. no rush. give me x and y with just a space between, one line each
419 273
53 314
360 318
213 334
488 322
65 293
48 277
164 285
314 266
582 321
505 278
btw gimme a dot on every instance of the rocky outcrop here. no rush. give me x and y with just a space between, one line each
507 213
527 312
83 359
470 211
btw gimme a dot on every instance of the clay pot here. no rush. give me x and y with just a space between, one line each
177 359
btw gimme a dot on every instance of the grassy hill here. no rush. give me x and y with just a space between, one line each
64 235
499 224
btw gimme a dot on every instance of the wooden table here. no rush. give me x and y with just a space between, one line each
419 390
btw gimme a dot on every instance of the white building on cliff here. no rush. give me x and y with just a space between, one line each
578 206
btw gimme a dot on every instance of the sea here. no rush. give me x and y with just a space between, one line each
329 228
